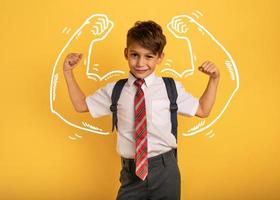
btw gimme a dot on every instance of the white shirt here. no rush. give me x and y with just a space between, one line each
160 138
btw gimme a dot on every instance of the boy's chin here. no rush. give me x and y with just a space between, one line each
141 75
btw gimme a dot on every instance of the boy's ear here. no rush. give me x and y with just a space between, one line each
125 53
160 57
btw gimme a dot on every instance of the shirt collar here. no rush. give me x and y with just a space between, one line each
148 80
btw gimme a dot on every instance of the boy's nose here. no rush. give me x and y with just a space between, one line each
140 62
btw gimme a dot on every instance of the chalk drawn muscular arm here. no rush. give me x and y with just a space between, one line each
94 29
199 41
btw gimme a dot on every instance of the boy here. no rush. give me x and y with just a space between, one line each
145 142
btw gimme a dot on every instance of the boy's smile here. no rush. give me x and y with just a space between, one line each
142 62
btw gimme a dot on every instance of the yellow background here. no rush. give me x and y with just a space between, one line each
39 161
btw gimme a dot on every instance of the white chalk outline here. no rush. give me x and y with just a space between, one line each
210 134
75 138
76 34
182 29
173 23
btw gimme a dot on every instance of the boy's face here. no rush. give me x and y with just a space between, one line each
142 62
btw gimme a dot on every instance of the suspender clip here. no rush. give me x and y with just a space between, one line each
114 108
173 107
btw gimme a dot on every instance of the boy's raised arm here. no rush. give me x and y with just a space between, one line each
77 96
207 99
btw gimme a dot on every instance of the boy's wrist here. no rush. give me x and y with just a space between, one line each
214 79
67 71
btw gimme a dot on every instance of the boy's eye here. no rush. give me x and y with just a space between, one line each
134 55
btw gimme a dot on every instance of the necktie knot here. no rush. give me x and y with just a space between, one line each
139 82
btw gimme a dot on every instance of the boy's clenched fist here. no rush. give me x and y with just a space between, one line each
71 61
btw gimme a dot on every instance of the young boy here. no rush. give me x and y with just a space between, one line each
145 142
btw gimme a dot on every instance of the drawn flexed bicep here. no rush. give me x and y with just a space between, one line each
202 46
95 29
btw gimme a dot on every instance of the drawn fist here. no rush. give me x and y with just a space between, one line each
98 25
71 61
180 25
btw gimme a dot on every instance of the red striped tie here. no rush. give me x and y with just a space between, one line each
141 155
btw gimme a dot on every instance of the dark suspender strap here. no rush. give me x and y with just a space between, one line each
172 95
115 98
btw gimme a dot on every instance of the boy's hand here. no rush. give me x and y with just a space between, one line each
210 69
71 61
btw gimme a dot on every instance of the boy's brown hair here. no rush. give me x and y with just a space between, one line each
148 34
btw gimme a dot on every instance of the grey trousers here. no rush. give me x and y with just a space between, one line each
163 181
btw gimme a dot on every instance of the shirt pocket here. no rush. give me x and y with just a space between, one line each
160 112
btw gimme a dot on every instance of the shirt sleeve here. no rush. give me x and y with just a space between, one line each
100 101
187 104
